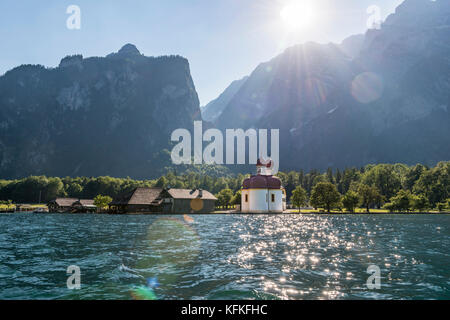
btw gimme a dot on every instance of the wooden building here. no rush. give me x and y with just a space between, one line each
158 200
84 206
60 205
140 200
181 201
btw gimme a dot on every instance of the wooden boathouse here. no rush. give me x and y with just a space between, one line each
158 200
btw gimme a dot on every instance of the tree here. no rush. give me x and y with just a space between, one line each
435 183
420 202
385 177
224 197
390 207
330 177
74 190
54 189
402 201
413 175
162 182
325 194
236 200
441 206
369 196
299 197
350 201
349 177
102 201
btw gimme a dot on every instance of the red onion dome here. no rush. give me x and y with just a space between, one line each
262 182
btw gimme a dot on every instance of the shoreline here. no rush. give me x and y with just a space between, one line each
230 213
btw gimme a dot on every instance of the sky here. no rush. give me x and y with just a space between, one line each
224 40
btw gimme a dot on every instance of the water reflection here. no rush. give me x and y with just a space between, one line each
225 256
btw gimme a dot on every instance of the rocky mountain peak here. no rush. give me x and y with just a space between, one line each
129 49
419 13
77 118
72 60
384 100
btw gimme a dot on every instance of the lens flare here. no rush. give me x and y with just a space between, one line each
367 87
188 219
143 293
196 204
171 243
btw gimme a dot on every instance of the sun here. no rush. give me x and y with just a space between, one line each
298 15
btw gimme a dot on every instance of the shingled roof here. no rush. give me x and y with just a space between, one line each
64 202
191 194
85 202
138 196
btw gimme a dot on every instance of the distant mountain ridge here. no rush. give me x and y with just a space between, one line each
381 97
94 116
375 98
214 109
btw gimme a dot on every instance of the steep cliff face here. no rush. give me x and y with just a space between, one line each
94 116
384 98
214 109
353 45
291 87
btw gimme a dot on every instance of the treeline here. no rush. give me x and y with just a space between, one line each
395 187
42 189
384 181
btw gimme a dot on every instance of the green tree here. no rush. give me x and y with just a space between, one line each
385 177
369 196
420 202
299 197
442 206
330 177
162 182
435 183
224 197
403 201
236 200
325 194
74 190
389 206
413 175
54 189
102 201
350 200
349 177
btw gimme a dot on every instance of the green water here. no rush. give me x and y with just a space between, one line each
225 256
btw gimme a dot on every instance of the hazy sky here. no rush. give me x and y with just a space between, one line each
224 40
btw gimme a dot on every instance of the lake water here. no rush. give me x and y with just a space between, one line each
225 256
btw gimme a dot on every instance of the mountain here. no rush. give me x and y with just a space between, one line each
214 109
96 116
353 45
381 98
290 88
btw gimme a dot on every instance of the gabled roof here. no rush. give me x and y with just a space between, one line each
85 202
138 196
64 202
191 194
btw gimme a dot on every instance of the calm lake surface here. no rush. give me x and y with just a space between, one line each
225 256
